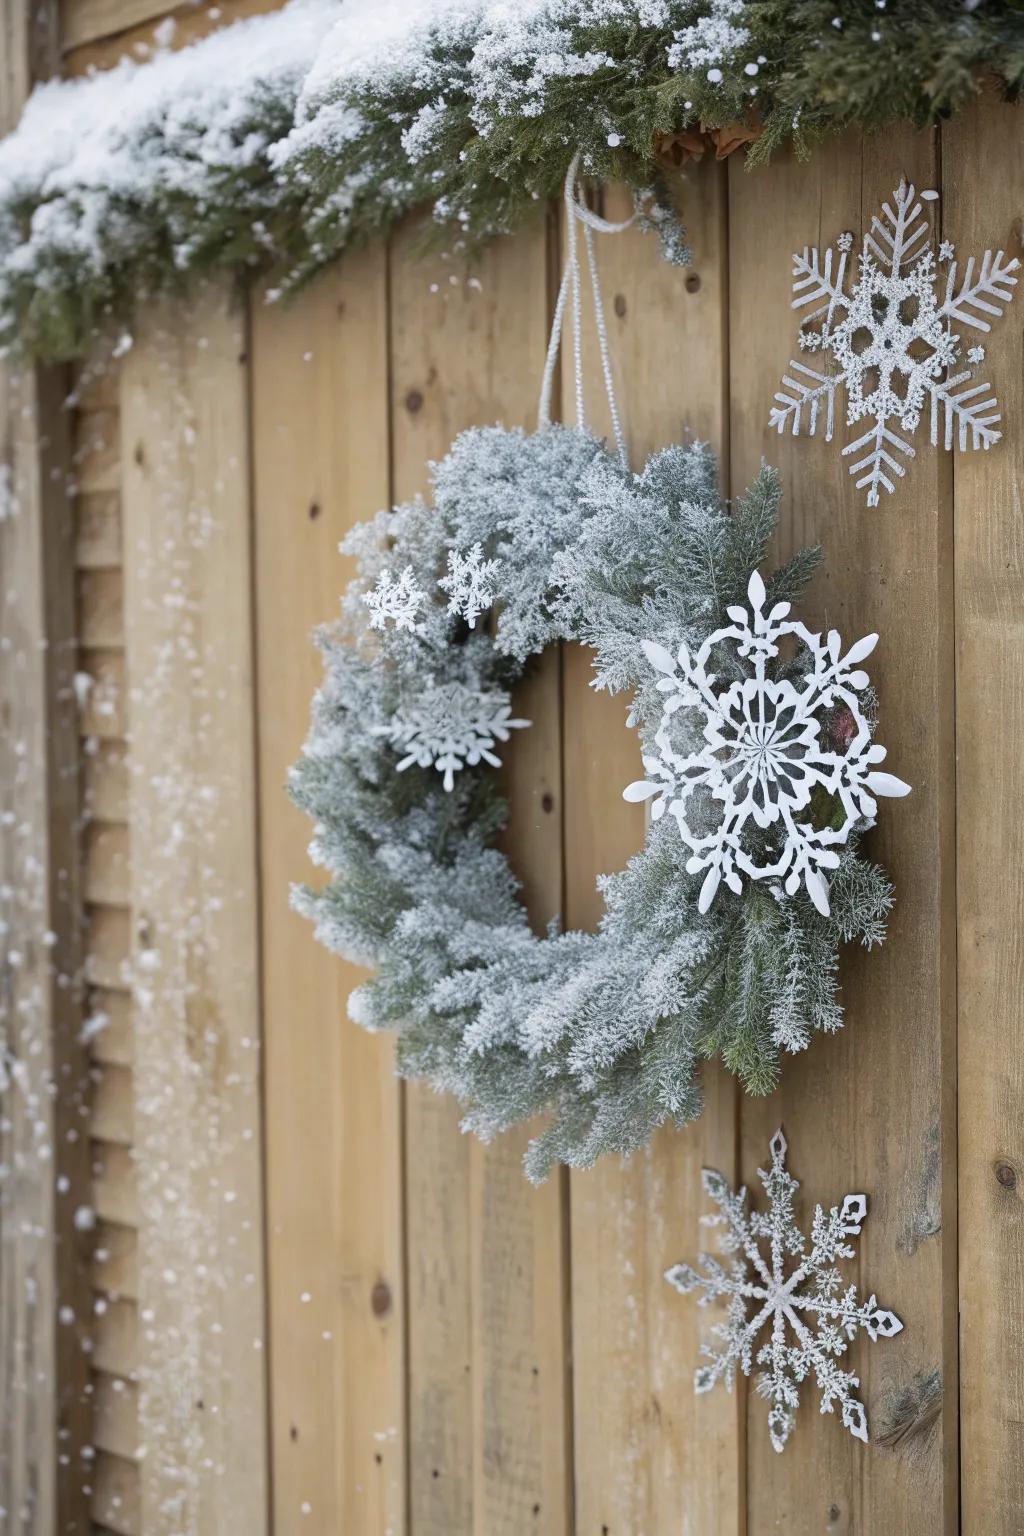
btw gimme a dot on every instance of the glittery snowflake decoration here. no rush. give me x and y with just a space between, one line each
449 727
739 753
469 583
804 1296
892 339
398 600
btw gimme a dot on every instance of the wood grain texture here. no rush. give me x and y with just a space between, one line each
102 711
44 1418
97 33
982 186
117 1339
98 531
105 782
109 1022
107 870
488 1450
115 1187
115 1262
335 1241
116 1505
649 1457
872 1108
194 960
112 1116
116 1415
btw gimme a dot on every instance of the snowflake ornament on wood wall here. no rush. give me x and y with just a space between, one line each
804 1296
892 339
449 727
739 756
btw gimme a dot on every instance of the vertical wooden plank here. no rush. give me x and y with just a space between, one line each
489 1438
983 183
333 1122
195 956
872 1108
648 1457
45 1422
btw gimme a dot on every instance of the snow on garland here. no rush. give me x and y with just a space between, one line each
286 137
605 1032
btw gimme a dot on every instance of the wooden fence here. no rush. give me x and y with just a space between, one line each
315 1305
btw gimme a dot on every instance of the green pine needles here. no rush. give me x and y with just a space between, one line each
603 1033
284 139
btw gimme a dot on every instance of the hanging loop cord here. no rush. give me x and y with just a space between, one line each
578 213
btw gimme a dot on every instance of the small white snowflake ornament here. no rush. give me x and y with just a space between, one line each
794 1291
396 600
737 769
451 726
469 583
891 338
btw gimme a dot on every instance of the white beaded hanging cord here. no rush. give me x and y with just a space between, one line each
578 213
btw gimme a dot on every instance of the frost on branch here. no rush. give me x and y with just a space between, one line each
743 748
794 1291
892 339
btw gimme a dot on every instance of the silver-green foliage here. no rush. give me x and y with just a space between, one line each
604 1032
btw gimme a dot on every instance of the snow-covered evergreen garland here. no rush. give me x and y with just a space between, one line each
287 137
604 1032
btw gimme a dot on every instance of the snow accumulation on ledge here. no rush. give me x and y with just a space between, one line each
285 137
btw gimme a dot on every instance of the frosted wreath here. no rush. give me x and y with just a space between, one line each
765 1291
893 340
762 751
532 539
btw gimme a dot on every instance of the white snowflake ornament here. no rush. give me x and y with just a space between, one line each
795 1291
469 583
892 339
451 726
738 756
397 600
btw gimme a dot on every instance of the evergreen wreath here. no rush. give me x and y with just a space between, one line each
603 1032
286 138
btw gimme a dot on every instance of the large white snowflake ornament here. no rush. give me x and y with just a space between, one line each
451 726
469 583
795 1291
738 757
892 339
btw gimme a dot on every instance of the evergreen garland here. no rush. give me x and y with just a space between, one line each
603 1032
288 137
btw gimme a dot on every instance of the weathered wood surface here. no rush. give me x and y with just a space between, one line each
648 1456
982 186
449 1351
487 1326
44 1173
873 1108
335 1248
194 961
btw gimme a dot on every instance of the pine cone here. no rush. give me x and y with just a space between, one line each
690 143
